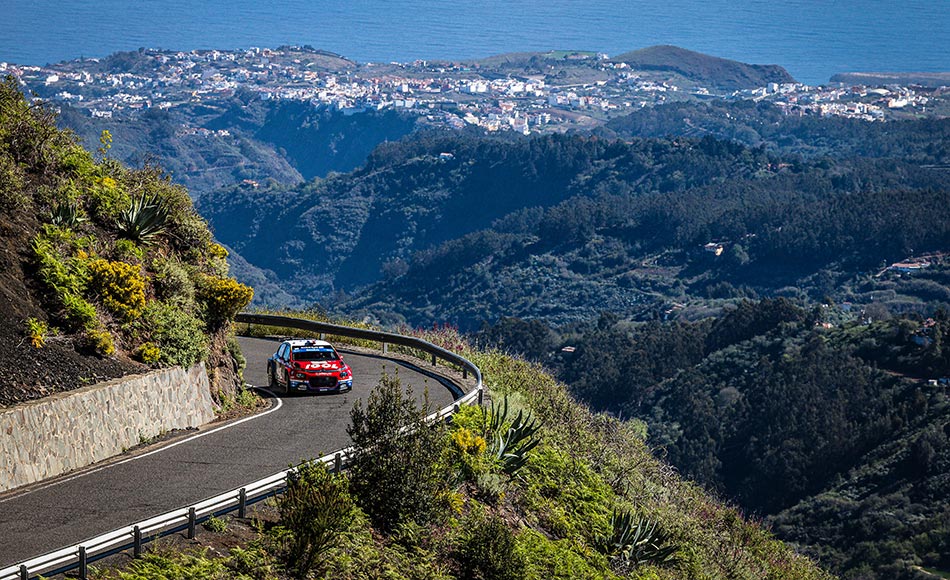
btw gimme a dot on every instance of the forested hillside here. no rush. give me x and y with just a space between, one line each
629 235
586 223
773 312
356 228
763 124
819 425
209 146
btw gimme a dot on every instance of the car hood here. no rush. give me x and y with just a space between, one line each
321 365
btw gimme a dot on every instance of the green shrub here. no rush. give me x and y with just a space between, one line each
216 524
316 508
251 563
247 398
60 273
28 133
120 287
77 162
179 335
547 559
363 555
188 230
172 281
395 472
568 498
127 250
471 417
180 566
487 550
223 297
67 277
107 200
12 185
79 312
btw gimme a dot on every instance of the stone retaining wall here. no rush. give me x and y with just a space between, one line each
66 431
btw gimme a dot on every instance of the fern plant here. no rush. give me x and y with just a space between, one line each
144 221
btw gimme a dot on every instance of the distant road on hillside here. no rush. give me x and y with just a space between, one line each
63 512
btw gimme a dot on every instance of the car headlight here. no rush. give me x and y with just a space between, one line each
344 374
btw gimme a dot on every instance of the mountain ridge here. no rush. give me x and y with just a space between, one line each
716 71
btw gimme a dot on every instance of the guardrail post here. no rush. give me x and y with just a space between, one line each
242 503
323 336
385 348
434 361
464 373
24 573
136 542
82 563
455 408
338 463
192 518
481 396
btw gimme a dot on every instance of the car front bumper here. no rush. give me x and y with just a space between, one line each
308 385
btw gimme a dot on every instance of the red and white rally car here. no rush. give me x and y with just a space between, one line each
308 365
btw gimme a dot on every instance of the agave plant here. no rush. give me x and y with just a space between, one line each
511 448
144 221
636 540
67 215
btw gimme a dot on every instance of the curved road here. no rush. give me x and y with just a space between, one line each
65 511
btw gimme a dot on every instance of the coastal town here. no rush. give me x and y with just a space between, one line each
542 92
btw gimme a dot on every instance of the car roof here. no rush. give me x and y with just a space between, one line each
308 342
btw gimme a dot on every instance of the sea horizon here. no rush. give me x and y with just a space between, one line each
812 39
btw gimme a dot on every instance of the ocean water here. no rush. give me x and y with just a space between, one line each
813 39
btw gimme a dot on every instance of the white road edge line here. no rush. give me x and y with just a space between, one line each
280 403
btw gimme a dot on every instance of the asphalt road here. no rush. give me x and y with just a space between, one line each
63 512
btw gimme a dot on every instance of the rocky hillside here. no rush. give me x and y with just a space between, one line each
104 270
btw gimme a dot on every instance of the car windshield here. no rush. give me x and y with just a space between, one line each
304 353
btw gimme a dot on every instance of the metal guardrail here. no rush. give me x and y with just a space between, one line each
186 519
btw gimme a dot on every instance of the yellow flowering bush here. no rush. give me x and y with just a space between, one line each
224 297
120 287
217 251
468 442
467 452
148 353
